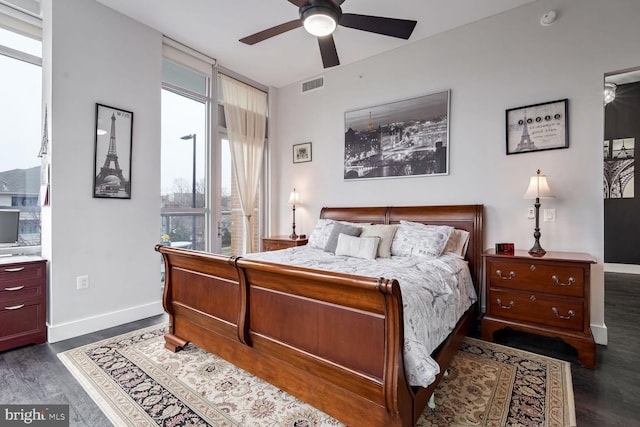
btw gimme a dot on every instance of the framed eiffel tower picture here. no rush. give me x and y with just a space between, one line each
538 127
112 155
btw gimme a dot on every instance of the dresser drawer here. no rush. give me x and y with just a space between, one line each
26 272
550 278
21 319
20 290
565 313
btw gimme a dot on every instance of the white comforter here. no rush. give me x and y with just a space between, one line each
435 293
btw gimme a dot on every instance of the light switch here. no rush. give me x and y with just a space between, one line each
549 215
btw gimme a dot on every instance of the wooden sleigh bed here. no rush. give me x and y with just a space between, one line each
333 340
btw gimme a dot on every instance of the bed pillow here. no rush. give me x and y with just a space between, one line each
385 232
457 243
339 228
320 234
358 247
416 239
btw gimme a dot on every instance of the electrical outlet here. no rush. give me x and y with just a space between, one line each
549 215
531 213
82 282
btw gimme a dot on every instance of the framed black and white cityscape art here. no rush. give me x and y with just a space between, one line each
302 152
112 154
538 127
405 138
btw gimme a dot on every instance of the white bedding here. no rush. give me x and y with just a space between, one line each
435 294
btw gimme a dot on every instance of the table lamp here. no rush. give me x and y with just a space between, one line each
538 189
294 199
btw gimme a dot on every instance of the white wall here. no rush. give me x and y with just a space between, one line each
505 61
96 55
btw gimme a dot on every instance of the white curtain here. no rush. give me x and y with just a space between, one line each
245 110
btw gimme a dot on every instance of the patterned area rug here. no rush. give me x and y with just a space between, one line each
137 382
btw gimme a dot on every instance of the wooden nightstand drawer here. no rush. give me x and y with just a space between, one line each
565 313
536 276
281 242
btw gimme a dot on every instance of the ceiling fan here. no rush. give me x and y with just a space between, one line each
320 18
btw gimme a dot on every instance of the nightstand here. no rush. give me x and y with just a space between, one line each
274 243
548 295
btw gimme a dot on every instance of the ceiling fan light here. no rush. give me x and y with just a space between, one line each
320 24
320 17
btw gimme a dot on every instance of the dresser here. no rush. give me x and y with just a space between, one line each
548 295
274 243
23 301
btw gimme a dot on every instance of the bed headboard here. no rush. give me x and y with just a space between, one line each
465 217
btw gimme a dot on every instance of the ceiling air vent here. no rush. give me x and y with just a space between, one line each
313 84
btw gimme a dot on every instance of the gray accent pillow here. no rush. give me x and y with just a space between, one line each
385 232
339 228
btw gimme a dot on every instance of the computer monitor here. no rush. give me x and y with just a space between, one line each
9 223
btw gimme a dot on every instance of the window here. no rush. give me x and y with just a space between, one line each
195 143
184 186
21 131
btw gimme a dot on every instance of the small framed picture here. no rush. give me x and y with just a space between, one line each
112 154
302 152
538 127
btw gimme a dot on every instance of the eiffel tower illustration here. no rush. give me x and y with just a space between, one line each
110 180
525 143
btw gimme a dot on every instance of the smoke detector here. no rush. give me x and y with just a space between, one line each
548 18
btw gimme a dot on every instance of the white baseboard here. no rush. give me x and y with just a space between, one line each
621 268
599 334
87 325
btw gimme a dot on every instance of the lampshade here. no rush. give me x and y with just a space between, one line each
609 92
538 188
320 17
294 198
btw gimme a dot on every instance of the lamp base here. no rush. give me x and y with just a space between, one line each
293 236
537 250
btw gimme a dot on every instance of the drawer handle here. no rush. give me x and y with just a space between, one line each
571 313
14 307
557 280
505 307
509 277
15 288
13 270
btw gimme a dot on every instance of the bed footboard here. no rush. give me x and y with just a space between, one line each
332 340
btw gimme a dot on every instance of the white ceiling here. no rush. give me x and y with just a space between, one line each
214 27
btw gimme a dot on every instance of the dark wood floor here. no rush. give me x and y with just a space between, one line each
606 396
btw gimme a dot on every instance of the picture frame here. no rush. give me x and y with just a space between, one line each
112 153
406 138
302 152
537 127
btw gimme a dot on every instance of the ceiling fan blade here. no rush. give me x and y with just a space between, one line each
401 28
298 3
328 51
270 32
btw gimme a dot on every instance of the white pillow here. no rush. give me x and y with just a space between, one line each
320 234
359 247
457 243
416 239
385 232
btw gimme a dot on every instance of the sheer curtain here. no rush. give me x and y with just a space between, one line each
245 111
